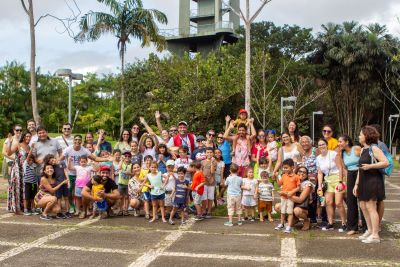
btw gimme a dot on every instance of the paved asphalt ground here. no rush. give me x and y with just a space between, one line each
131 241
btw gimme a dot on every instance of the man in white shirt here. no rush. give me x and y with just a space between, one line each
66 139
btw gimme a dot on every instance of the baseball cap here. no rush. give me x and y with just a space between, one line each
127 154
242 111
105 168
183 122
170 162
200 138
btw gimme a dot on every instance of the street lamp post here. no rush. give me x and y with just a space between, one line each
288 99
313 123
71 76
391 117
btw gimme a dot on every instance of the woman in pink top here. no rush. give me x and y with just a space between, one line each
242 143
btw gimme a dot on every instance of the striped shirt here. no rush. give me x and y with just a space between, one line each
29 173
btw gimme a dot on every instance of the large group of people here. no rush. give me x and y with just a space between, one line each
177 172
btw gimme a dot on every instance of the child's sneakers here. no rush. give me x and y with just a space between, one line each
198 218
279 227
328 227
252 219
228 223
288 230
171 222
27 213
343 228
240 223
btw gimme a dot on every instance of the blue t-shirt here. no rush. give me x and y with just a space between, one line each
226 151
180 191
234 183
161 166
104 146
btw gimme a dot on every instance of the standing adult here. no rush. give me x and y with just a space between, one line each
385 149
66 139
163 139
210 136
330 170
200 152
259 149
369 186
20 151
183 138
225 146
101 144
289 150
31 126
309 160
135 132
293 131
45 146
327 132
124 142
350 154
72 154
8 143
89 138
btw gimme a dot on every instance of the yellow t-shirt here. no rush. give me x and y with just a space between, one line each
142 176
96 189
240 121
332 143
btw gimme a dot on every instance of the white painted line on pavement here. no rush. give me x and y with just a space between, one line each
395 186
153 253
40 241
221 256
386 209
356 262
7 215
288 252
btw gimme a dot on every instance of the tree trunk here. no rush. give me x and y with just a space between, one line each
122 91
248 73
35 110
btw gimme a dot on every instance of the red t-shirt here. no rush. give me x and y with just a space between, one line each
198 178
261 149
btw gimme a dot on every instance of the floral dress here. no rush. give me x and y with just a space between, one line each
15 200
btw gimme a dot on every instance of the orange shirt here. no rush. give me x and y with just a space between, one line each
289 182
198 178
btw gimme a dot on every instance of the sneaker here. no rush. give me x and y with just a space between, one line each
288 230
342 228
252 219
228 224
35 212
245 219
364 236
328 227
27 213
130 208
279 227
68 215
240 223
136 213
45 217
183 222
198 218
208 216
61 216
71 210
171 222
371 240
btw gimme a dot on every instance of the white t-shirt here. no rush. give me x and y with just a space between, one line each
250 183
34 139
272 148
171 181
327 163
64 141
185 142
71 154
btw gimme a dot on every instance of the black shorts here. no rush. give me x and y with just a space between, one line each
227 171
30 191
62 192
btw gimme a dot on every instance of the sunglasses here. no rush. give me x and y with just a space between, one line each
326 131
67 129
211 134
18 130
220 137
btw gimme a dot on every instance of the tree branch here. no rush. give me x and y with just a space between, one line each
24 7
237 12
259 10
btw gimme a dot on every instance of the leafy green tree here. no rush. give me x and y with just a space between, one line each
128 19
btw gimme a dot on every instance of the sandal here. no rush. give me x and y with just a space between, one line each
120 213
125 213
147 216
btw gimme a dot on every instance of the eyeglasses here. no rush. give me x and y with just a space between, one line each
326 131
18 130
67 129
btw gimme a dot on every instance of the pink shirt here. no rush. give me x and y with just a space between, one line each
241 157
82 175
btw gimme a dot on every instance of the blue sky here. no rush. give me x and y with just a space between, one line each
55 50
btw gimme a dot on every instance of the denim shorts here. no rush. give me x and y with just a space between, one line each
123 190
158 197
146 196
78 191
196 198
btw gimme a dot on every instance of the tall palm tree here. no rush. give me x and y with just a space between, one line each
127 20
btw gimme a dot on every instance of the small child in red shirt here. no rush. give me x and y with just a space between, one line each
198 181
290 184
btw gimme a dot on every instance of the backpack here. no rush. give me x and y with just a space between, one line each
389 169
